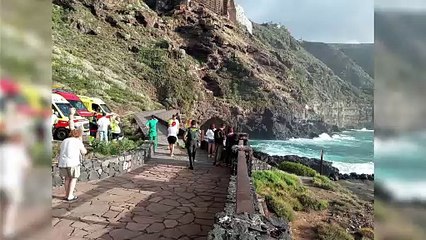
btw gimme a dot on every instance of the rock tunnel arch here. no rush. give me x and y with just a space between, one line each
216 120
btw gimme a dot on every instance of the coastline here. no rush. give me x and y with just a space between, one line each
328 169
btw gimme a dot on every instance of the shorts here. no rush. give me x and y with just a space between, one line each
171 139
210 141
70 172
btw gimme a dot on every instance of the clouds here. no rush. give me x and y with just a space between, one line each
412 5
313 20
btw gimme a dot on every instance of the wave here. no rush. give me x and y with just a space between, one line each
359 168
406 190
363 130
325 137
397 146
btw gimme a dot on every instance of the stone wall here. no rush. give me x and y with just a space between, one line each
94 169
229 225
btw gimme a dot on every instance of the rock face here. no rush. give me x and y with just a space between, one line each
139 58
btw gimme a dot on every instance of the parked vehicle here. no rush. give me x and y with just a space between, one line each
62 109
75 101
96 105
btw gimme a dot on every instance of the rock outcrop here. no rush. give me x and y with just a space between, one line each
314 163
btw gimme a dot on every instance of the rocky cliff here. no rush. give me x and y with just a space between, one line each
194 60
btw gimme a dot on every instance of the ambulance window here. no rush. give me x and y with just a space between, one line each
95 107
56 111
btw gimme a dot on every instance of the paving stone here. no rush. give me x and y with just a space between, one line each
93 219
98 234
145 219
172 233
153 236
190 229
155 199
158 208
80 225
170 223
204 222
60 212
110 214
187 218
204 215
79 233
170 202
137 226
155 228
122 234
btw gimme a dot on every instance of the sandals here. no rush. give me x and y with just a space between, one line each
72 199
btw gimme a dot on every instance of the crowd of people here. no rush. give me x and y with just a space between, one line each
104 129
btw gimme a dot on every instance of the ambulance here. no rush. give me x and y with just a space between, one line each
62 109
96 105
75 101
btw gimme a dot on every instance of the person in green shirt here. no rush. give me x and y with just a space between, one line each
152 131
192 141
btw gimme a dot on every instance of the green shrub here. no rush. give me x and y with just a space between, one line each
323 182
115 147
332 232
297 168
311 203
280 207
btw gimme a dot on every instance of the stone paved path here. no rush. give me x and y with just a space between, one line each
162 200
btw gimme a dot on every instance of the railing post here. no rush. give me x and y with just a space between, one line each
322 161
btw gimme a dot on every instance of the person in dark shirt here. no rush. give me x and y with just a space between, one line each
231 140
219 138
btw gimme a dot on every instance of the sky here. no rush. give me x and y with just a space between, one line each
331 21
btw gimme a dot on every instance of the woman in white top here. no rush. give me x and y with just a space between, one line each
172 133
14 163
69 161
210 140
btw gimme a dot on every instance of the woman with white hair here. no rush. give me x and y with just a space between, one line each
72 149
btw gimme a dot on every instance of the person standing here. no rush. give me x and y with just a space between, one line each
210 140
231 140
172 133
152 131
14 165
219 137
115 127
53 122
71 121
103 124
72 149
192 138
93 127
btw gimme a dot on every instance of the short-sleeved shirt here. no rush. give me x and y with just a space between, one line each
152 125
71 150
103 124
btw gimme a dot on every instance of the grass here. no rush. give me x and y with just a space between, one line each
284 193
324 183
332 232
298 169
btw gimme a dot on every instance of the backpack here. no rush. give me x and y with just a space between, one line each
192 134
219 135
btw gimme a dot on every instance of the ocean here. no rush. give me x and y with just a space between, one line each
400 164
349 151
